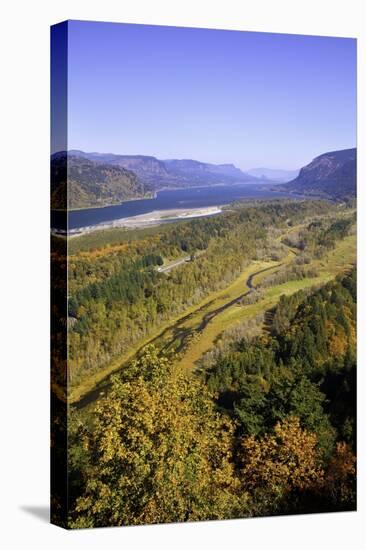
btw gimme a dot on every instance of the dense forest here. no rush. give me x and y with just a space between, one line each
261 420
267 427
118 297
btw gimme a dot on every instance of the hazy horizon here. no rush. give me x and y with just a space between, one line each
246 98
245 169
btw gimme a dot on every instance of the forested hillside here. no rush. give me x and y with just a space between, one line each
118 297
306 356
269 428
235 385
90 183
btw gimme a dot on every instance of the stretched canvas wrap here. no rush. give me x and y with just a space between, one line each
203 256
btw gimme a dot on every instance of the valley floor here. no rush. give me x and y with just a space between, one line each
198 330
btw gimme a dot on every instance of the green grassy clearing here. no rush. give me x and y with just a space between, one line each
335 262
217 298
328 267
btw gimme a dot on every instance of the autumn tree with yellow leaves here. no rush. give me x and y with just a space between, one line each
159 452
281 462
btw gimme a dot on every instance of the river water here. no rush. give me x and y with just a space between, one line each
191 197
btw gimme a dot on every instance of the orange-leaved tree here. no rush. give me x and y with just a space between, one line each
278 464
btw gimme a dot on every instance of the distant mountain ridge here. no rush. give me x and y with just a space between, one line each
156 173
273 174
100 179
144 166
196 171
332 175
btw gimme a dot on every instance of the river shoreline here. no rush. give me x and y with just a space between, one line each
166 207
151 218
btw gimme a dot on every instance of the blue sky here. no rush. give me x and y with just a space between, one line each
254 99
